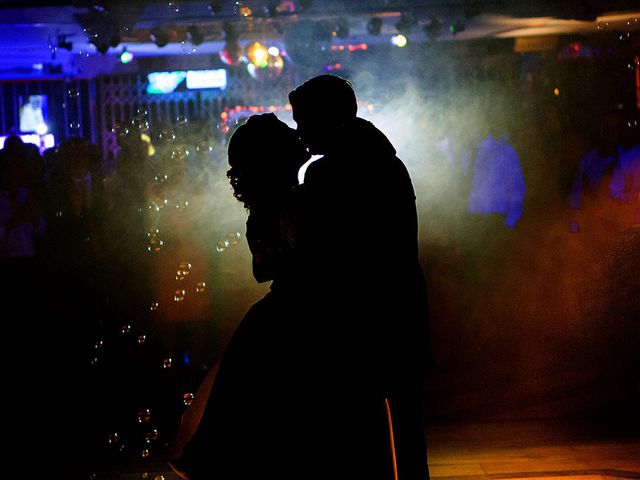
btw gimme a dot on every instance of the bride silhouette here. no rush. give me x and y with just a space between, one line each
230 430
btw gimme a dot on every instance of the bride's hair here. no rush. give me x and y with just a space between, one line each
265 155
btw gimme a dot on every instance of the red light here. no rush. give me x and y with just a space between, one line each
351 48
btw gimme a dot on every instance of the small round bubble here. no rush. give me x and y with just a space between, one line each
140 122
166 136
144 415
233 238
188 48
222 245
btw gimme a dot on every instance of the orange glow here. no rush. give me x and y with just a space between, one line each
393 444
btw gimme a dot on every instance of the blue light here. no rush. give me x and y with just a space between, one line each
186 358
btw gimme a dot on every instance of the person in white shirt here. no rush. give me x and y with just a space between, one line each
31 115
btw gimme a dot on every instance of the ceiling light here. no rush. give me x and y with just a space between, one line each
101 28
195 36
257 54
406 23
215 6
374 26
159 37
457 27
126 56
399 40
433 29
64 43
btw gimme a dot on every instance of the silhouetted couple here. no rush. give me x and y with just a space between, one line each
323 377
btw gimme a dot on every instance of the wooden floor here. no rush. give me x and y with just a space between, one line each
531 450
547 450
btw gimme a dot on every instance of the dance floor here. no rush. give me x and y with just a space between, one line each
549 450
514 450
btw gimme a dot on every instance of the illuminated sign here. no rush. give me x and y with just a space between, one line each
167 82
207 78
164 82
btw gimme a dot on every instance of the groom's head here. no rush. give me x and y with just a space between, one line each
321 108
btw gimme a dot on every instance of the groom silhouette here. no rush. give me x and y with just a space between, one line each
358 241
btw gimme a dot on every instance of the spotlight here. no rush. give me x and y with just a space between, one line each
399 40
457 27
271 10
374 26
433 29
195 36
215 6
101 27
64 43
126 56
406 23
257 54
115 39
159 37
230 34
232 51
102 47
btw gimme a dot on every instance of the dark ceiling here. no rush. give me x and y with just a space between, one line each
37 31
578 9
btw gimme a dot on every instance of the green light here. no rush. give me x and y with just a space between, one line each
126 56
